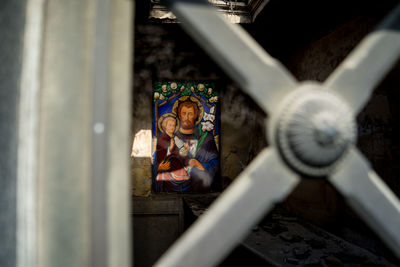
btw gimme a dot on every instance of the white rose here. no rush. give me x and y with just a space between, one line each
200 87
156 95
162 97
164 88
174 85
214 99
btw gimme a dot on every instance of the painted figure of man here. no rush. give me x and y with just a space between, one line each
197 148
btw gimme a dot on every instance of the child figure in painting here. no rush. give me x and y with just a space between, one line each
171 173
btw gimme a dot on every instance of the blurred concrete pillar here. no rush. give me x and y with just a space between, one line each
74 165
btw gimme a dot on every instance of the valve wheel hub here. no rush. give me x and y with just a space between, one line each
315 128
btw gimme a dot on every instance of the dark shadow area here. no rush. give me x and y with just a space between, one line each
12 24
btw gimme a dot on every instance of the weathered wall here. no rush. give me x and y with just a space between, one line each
310 45
165 52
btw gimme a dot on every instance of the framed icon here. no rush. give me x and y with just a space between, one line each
185 136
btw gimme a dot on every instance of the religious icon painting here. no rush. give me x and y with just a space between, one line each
185 136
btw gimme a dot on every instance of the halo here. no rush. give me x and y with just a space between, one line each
190 98
163 117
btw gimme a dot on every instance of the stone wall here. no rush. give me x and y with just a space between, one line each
311 47
165 52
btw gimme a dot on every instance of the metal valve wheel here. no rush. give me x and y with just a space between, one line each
312 131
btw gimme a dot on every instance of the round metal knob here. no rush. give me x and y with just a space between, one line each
314 129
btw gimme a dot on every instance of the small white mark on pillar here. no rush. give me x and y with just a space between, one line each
98 127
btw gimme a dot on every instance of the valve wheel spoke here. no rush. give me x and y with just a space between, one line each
264 182
242 58
370 197
367 64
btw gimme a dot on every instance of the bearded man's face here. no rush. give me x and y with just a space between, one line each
187 117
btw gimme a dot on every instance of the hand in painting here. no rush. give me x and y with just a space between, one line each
196 163
164 166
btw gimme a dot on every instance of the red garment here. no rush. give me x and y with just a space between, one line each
163 142
176 176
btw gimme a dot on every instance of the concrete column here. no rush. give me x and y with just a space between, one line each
81 149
